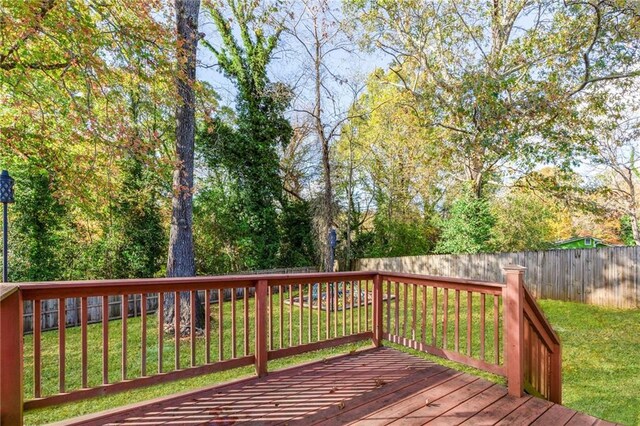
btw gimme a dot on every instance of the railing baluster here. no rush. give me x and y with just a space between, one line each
405 316
124 313
536 362
62 319
456 330
143 334
207 326
351 306
245 320
424 315
359 296
366 305
310 302
327 306
160 330
291 316
105 339
397 310
482 326
234 353
469 312
496 330
301 313
344 308
270 317
281 319
220 324
529 355
434 316
445 317
193 300
414 312
37 351
334 293
84 319
177 333
388 306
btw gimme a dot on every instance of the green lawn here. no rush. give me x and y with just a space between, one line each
601 357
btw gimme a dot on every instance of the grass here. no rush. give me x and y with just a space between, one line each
601 353
600 359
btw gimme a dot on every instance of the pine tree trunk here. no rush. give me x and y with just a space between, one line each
181 262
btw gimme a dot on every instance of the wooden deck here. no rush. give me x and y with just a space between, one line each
377 386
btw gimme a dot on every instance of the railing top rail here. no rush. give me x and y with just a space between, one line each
55 289
529 300
479 285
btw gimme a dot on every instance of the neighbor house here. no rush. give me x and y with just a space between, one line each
580 243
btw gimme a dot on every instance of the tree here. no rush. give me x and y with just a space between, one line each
617 148
67 70
523 221
181 261
468 227
246 147
70 74
386 156
322 38
505 79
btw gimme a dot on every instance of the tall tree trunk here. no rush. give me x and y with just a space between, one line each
181 262
327 196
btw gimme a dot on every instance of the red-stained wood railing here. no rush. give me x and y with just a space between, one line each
254 319
309 312
453 318
104 354
533 350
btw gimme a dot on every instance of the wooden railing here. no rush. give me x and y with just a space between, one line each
257 318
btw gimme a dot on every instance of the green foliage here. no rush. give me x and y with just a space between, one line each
297 246
468 228
49 242
523 222
398 238
505 82
137 230
246 149
626 233
37 229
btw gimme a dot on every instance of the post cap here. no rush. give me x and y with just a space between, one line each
513 268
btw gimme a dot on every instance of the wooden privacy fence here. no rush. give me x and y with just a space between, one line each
606 276
49 308
488 325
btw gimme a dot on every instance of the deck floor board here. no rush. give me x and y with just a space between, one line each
373 387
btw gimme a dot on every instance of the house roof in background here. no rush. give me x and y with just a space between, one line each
570 240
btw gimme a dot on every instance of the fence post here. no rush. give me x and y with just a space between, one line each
11 386
261 328
377 310
513 311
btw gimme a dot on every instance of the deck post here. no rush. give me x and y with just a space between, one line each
261 327
513 311
377 310
11 386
